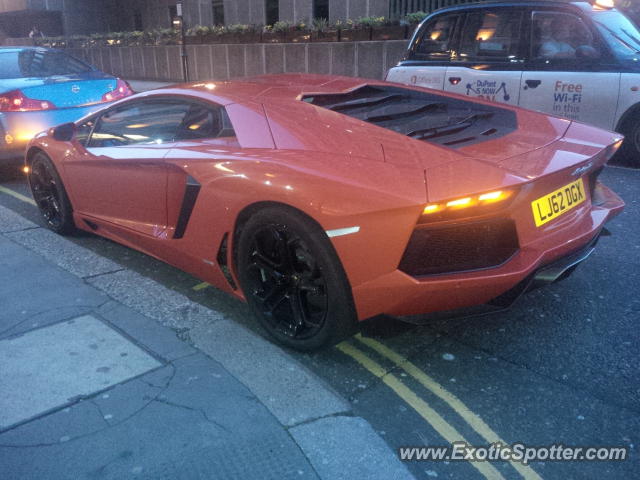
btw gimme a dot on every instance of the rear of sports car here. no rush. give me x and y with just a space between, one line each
41 88
513 199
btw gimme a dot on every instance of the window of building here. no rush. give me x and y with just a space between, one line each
173 13
272 10
137 22
321 9
218 12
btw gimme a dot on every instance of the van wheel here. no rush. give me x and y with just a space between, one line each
629 153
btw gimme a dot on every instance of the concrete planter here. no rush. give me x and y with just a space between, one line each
391 32
328 36
272 37
355 35
297 36
249 37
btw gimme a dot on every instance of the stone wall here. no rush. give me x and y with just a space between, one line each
222 62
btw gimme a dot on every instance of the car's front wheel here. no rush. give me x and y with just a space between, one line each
293 280
50 195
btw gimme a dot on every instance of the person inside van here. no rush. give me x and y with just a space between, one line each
558 45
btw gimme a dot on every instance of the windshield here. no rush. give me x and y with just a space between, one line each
619 32
39 63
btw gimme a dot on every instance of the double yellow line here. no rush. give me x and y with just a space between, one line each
440 425
17 195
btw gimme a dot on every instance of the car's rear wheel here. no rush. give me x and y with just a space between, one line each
50 195
293 280
629 153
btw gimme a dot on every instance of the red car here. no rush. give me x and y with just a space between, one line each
326 200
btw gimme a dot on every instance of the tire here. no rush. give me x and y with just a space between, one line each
629 152
50 195
293 280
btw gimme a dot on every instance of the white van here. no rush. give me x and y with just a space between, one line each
579 60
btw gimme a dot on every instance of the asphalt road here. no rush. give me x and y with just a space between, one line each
559 367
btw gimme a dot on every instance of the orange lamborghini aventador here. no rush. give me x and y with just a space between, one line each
322 201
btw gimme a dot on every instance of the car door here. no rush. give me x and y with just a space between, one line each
118 174
570 72
429 53
489 60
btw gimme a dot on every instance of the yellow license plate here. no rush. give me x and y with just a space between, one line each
557 203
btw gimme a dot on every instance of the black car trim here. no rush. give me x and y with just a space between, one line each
450 122
191 191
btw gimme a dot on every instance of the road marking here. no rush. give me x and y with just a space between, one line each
444 428
17 195
454 402
201 286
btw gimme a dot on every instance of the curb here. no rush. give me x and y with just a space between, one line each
338 444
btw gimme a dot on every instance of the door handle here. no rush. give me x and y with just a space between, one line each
532 83
455 80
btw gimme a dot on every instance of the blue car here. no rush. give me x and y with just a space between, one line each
41 88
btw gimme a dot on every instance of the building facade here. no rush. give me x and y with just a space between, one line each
81 17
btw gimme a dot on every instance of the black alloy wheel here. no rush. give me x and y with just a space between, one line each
50 196
293 280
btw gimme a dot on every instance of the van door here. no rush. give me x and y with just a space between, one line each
570 72
489 62
429 54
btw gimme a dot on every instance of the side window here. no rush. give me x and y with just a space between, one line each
491 35
558 36
83 131
436 40
203 122
138 124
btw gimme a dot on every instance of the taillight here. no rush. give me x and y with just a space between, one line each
122 90
16 101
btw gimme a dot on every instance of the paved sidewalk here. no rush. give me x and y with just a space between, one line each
95 383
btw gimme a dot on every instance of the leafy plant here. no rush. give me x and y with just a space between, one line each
369 22
281 26
320 24
415 18
238 28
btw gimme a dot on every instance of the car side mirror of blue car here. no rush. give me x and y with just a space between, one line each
64 132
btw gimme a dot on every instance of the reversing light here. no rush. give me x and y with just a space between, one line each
466 202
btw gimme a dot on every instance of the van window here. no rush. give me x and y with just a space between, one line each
436 41
561 36
491 35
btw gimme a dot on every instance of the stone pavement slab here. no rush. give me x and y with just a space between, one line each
49 367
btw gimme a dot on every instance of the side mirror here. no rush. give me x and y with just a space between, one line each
64 132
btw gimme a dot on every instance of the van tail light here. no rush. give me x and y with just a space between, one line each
16 101
122 90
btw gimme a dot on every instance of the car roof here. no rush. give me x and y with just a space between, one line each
26 47
581 6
